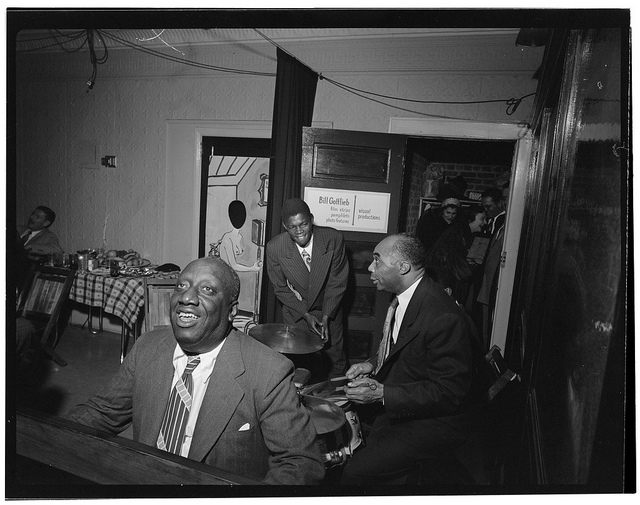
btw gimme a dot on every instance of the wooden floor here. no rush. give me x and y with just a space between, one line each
91 362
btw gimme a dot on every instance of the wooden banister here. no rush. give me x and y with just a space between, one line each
108 459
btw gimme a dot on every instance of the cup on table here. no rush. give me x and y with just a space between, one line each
114 268
83 262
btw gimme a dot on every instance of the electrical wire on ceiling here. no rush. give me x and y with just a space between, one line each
511 103
95 60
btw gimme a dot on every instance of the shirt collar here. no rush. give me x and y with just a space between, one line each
308 247
207 360
405 297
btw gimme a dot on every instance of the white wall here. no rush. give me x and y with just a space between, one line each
137 98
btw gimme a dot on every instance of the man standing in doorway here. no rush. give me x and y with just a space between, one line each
307 266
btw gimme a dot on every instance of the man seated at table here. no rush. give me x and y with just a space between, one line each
37 239
242 413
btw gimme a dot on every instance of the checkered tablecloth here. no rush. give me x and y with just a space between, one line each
120 296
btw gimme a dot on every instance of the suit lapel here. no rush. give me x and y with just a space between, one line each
298 273
221 398
159 375
409 330
320 263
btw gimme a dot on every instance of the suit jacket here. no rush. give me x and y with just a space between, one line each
431 371
492 262
317 292
250 384
45 242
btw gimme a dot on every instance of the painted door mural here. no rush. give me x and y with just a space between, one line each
234 194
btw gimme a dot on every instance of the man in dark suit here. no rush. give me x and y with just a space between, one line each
494 205
423 377
36 238
308 268
243 412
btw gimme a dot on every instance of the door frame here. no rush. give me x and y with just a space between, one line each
522 163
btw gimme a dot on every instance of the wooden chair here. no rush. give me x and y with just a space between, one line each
477 461
156 303
41 301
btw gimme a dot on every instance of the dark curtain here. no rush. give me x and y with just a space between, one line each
293 108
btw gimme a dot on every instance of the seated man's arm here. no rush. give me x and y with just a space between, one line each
111 409
47 244
289 433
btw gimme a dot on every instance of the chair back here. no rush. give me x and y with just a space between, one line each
156 303
42 299
500 373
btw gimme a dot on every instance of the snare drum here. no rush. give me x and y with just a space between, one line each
338 446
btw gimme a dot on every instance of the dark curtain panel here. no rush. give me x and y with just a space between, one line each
293 108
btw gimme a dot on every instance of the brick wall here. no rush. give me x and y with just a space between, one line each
478 177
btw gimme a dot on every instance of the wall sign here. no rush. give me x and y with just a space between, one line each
349 210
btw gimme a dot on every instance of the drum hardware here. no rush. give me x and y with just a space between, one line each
326 416
287 339
338 446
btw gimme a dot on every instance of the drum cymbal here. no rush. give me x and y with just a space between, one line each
326 416
287 339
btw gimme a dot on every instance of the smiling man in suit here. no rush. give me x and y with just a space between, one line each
206 391
423 378
309 271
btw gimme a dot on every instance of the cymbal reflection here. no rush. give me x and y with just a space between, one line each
286 339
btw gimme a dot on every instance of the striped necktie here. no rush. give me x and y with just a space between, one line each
383 350
176 416
307 259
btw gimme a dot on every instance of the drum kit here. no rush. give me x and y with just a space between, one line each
337 426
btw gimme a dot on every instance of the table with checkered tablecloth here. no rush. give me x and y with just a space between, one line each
120 296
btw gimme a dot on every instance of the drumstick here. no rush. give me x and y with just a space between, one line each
339 378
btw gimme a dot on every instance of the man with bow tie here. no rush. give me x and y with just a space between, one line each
422 379
308 268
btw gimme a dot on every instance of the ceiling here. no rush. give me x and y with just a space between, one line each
54 39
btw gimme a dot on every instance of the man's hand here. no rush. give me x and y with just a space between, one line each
325 328
364 390
313 323
359 370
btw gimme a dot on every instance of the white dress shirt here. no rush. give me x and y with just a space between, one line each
308 248
200 375
403 302
33 234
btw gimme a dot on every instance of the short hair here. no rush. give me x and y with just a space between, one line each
232 282
49 215
409 248
494 193
473 211
293 207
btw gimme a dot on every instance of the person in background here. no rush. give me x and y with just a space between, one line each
244 414
435 222
37 239
496 213
309 271
494 207
424 377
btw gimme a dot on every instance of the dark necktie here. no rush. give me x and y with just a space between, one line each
25 237
176 415
387 329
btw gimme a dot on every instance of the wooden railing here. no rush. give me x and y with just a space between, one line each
107 459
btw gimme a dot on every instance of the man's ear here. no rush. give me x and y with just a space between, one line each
46 224
404 267
311 218
233 311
